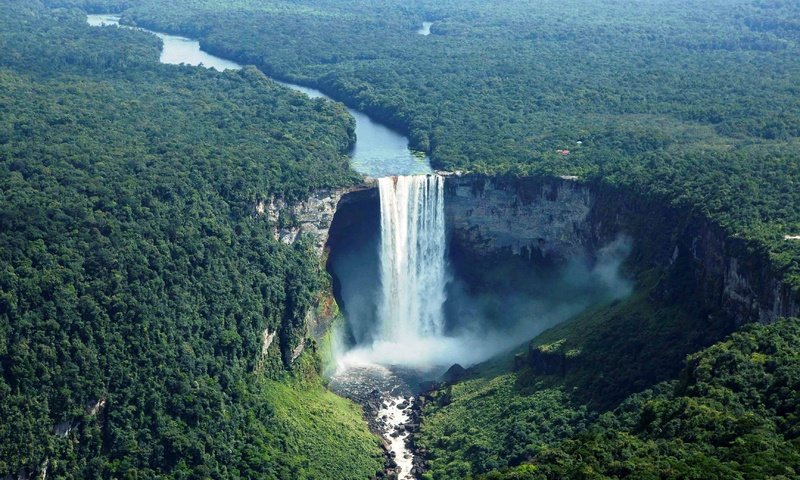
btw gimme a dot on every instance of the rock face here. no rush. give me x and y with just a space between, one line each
554 218
454 374
522 216
312 216
551 218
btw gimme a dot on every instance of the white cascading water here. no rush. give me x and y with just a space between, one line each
412 258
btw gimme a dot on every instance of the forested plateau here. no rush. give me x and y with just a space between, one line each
138 286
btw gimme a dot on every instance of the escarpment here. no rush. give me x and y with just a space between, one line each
550 219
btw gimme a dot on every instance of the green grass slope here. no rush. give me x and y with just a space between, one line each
136 281
605 395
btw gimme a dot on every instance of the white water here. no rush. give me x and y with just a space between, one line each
360 383
391 417
425 29
413 277
412 260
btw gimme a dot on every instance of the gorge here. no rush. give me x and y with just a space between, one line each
216 260
432 270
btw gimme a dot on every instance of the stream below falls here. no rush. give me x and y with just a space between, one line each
388 397
386 393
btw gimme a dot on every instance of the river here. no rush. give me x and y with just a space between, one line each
385 393
379 151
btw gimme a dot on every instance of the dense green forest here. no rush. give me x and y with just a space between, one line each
733 413
696 103
136 283
135 277
608 395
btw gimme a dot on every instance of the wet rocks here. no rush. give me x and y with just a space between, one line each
412 426
391 411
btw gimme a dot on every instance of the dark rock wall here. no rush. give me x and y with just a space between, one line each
552 218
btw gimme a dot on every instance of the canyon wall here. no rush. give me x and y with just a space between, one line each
551 219
313 217
520 216
547 218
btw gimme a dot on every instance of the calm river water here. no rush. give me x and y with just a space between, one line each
379 151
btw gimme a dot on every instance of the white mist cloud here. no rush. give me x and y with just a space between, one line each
517 316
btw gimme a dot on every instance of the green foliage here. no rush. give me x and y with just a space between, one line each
693 102
733 414
486 424
612 351
136 280
134 271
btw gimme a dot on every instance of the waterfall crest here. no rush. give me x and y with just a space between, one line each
412 257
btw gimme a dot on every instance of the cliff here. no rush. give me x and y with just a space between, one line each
311 217
554 218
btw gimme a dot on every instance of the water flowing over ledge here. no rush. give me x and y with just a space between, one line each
412 258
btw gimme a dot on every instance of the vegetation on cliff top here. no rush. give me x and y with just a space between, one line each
135 280
695 103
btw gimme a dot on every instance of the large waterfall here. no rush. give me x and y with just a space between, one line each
412 258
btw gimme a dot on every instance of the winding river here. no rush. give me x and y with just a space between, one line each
386 395
379 151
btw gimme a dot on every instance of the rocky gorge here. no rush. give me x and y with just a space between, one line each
549 219
543 222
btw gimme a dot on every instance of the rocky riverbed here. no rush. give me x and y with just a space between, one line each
392 409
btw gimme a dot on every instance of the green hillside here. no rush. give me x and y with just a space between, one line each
622 406
136 282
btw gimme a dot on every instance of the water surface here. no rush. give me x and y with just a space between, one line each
425 29
379 151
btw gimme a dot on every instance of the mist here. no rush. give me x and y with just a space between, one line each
488 312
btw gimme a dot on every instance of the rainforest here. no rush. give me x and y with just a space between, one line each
350 239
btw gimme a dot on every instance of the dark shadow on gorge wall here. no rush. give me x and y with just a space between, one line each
496 299
526 250
695 283
552 218
353 262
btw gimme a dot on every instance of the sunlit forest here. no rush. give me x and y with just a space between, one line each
138 282
694 103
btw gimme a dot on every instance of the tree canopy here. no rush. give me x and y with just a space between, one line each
136 282
697 103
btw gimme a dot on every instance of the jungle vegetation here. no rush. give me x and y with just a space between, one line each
697 105
137 282
694 103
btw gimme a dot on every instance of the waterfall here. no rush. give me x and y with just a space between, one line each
412 257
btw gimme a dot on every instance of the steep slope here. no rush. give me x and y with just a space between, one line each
149 321
733 413
603 396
